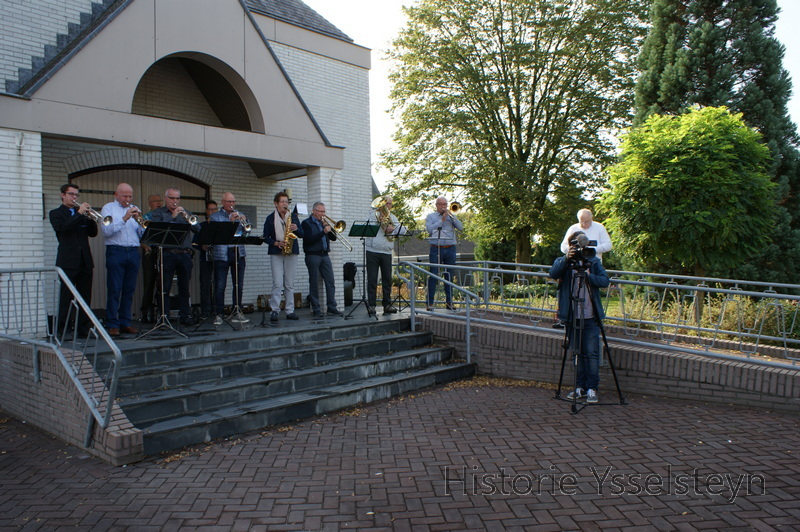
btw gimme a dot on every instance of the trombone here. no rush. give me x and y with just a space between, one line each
94 215
339 227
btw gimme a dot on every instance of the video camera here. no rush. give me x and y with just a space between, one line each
582 247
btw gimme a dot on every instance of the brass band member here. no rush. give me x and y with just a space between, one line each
284 252
379 255
177 259
229 258
73 230
317 238
442 226
122 259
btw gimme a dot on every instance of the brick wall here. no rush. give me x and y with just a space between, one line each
21 188
54 405
515 353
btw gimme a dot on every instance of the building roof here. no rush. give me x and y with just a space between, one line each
297 13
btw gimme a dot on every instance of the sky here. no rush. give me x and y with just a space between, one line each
375 23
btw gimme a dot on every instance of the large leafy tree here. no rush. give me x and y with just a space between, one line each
723 52
508 102
691 191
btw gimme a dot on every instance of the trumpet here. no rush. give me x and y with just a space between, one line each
94 215
246 226
339 227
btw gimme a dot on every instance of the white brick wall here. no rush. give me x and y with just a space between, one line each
28 25
21 185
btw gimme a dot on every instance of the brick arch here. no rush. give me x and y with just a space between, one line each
83 163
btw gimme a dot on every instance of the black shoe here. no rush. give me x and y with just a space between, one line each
450 306
292 316
558 324
389 310
273 317
334 312
318 314
188 322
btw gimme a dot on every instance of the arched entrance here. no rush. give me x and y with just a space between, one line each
97 188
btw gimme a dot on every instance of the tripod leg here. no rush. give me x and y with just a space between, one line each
608 354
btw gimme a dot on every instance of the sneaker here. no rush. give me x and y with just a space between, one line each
592 397
292 316
239 318
577 394
273 317
217 320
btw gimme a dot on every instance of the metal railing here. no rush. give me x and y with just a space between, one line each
706 316
29 313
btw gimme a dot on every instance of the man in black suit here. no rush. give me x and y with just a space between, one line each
73 230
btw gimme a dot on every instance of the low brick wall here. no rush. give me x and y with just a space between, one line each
54 405
515 353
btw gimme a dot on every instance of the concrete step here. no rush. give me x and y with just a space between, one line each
149 408
193 371
147 353
243 417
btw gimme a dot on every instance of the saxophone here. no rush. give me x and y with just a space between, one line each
289 237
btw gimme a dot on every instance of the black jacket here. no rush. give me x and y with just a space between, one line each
73 232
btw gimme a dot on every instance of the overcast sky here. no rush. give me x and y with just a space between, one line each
375 23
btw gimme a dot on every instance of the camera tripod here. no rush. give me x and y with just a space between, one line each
576 325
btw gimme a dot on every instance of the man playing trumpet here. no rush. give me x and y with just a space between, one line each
281 231
229 258
122 259
73 229
317 237
177 259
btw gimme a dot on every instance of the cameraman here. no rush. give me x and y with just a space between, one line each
575 309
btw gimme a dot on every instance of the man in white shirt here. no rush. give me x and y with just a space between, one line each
593 231
122 259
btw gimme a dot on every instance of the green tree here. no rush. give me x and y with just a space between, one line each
691 190
723 52
507 102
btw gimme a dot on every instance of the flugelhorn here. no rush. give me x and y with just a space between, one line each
94 215
454 207
246 226
339 227
139 218
192 219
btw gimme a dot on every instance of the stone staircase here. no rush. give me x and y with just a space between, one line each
186 394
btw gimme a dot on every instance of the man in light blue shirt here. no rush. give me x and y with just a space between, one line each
122 259
442 226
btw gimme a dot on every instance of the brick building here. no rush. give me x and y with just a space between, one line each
211 96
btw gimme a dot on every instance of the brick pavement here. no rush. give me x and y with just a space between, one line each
465 457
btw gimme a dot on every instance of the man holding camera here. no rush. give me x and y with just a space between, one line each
581 275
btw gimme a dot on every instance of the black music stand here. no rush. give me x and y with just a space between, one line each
242 240
170 236
401 302
215 234
364 231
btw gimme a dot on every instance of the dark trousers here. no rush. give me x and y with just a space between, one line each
122 269
320 265
439 255
149 278
82 279
180 263
382 262
588 370
221 268
206 286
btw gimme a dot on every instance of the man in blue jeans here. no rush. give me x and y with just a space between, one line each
581 275
442 226
122 259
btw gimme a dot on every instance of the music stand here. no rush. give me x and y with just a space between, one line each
215 234
170 236
364 231
242 240
402 302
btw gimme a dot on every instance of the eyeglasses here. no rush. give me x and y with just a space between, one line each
173 197
76 194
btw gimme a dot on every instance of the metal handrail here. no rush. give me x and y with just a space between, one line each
29 313
659 306
412 268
